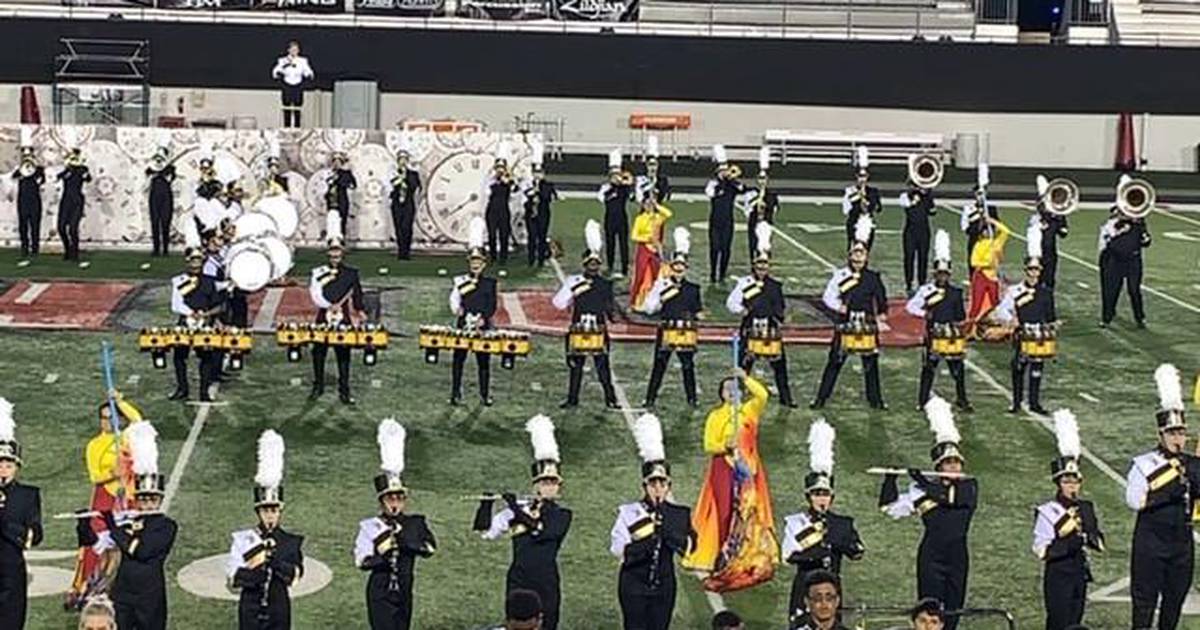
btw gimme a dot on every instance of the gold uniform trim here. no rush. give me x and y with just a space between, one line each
850 282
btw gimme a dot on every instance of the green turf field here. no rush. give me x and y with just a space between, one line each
1105 376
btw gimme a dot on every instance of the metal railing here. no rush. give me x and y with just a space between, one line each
996 11
1086 13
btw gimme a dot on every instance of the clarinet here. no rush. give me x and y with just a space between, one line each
264 602
394 560
656 552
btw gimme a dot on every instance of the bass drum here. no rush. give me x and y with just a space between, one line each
252 225
249 265
283 211
280 253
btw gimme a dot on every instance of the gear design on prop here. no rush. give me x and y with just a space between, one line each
113 210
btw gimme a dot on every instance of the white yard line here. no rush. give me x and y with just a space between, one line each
31 293
50 378
1081 285
185 453
1174 215
512 305
134 379
1088 397
264 320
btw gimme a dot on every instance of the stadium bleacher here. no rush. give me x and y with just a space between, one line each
1157 22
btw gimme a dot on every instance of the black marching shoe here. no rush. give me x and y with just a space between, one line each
486 401
964 406
879 405
568 404
178 394
1038 409
611 403
789 403
649 403
693 403
347 399
816 403
1014 408
316 393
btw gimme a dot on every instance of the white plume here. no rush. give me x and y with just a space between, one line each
391 446
941 245
541 434
763 232
27 135
476 232
143 446
8 426
593 236
537 152
863 229
764 158
820 446
273 149
504 151
270 460
1170 393
652 146
404 144
1033 240
683 240
333 225
983 177
1043 184
226 169
941 420
647 432
719 154
863 159
614 159
1066 429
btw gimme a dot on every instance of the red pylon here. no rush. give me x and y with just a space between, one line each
30 114
1127 159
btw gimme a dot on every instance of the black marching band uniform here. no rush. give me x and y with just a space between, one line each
590 298
473 303
196 298
615 194
1064 529
646 536
292 70
674 298
337 293
946 506
540 194
817 539
940 303
1161 488
1122 240
388 545
860 199
763 205
341 181
406 184
266 560
20 528
723 191
70 208
1053 227
1028 303
497 191
855 294
30 176
162 199
918 204
536 526
654 174
759 299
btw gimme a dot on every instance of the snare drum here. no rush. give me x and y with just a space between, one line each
947 341
764 341
1038 342
587 339
680 335
859 335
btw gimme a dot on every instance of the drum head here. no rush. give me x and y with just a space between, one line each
249 266
283 211
280 254
253 224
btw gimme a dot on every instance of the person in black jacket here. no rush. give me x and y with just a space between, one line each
1028 305
162 200
722 191
196 299
1053 227
30 176
266 560
941 305
540 193
615 194
918 204
760 300
337 293
388 545
1122 240
590 298
405 187
20 525
497 194
340 182
677 302
859 200
473 303
70 208
763 207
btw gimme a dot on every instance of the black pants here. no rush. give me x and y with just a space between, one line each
210 366
537 248
833 366
14 582
238 309
160 224
319 351
146 615
548 589
389 610
1019 366
1116 271
646 611
1065 594
916 256
662 357
575 377
720 244
483 361
402 222
851 221
1049 267
499 229
543 226
292 100
278 614
1159 569
70 214
944 576
929 370
616 239
779 366
29 227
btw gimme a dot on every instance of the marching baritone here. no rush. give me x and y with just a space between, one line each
406 185
764 202
615 194
1030 306
1122 239
388 545
536 526
1064 529
946 503
818 539
647 535
648 229
497 191
337 293
145 539
940 304
196 298
861 199
722 191
162 199
1053 226
292 70
1160 487
20 524
266 560
858 300
590 298
340 182
918 204
30 177
70 207
760 301
677 302
540 194
473 303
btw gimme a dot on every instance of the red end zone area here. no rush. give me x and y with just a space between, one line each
532 311
61 305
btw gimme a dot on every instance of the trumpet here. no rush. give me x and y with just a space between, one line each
925 473
622 178
28 168
1062 197
733 171
925 170
1135 197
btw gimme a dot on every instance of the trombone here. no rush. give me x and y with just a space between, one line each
1135 197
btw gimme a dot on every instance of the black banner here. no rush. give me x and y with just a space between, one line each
504 9
418 8
597 10
308 6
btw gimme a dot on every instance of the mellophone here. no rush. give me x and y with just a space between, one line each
158 340
509 344
859 334
370 338
1037 341
946 340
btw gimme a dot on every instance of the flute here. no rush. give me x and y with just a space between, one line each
925 473
95 513
488 496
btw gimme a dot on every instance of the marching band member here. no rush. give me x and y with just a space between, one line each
940 304
265 560
1159 487
946 504
20 524
540 193
292 70
648 227
277 182
854 293
70 207
145 540
817 539
764 203
759 299
1053 227
406 184
590 298
722 191
208 187
674 298
30 176
473 302
341 181
337 293
986 255
615 194
1028 303
658 180
861 199
918 204
498 189
1122 239
162 199
647 535
1063 530
388 545
977 217
196 298
537 527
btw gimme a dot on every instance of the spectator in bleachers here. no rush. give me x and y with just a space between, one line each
292 71
823 600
